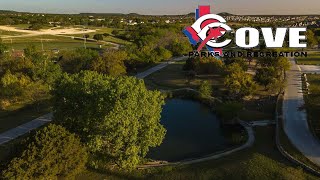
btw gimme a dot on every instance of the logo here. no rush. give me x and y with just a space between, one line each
207 29
210 28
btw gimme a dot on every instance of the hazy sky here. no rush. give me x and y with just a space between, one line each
164 6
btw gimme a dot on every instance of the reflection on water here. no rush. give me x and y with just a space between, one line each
192 131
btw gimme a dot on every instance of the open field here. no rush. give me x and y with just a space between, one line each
313 103
103 30
52 31
18 37
312 59
49 42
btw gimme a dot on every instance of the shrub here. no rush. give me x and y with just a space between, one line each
51 153
229 111
205 89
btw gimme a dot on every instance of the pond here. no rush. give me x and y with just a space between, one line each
192 131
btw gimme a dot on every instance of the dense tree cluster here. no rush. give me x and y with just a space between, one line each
51 153
271 72
26 79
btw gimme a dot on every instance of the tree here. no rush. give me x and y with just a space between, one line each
311 39
190 65
229 112
112 63
76 60
205 89
238 82
98 37
209 65
35 27
3 48
265 76
117 117
51 153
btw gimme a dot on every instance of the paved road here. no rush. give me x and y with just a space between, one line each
310 69
25 128
295 119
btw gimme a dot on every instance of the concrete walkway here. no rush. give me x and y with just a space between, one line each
159 67
25 128
34 124
295 117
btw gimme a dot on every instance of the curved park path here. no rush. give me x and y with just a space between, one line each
295 117
34 124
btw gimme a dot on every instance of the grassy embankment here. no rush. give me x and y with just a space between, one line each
312 59
313 103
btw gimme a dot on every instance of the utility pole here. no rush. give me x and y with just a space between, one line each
11 45
42 45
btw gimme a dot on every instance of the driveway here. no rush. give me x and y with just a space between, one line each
295 117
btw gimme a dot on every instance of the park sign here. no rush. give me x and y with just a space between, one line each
210 28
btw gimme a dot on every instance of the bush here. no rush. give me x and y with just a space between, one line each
98 37
205 89
35 27
229 112
51 153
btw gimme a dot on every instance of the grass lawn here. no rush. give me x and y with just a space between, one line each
22 113
313 103
262 161
312 59
261 107
102 30
10 33
49 42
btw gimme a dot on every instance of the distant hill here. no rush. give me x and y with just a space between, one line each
225 14
6 11
220 14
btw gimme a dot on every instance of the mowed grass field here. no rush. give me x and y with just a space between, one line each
313 103
49 42
312 59
103 30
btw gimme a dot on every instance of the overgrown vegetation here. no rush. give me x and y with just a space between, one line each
52 152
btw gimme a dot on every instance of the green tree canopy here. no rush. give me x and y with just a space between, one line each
52 152
238 82
311 39
116 117
111 63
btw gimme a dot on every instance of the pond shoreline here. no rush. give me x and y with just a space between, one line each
211 103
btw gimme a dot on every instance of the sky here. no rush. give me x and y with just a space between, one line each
160 7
